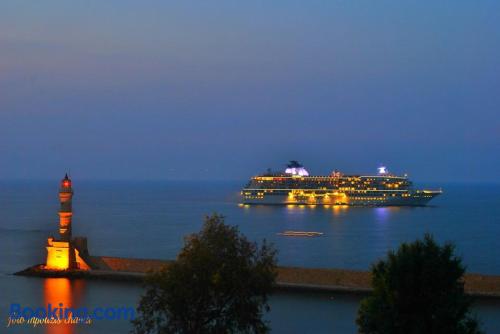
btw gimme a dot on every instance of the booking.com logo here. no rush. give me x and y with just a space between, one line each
60 314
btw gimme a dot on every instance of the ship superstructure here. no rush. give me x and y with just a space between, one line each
297 186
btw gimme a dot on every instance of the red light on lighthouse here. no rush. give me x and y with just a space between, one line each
66 182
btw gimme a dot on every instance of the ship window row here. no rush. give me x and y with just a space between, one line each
326 192
325 186
368 198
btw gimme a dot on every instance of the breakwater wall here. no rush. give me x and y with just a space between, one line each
289 278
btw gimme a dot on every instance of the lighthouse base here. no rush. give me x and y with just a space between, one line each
61 255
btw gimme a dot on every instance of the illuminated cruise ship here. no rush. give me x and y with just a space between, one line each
296 186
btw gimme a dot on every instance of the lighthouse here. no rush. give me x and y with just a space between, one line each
61 252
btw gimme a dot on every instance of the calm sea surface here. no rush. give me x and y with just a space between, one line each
150 219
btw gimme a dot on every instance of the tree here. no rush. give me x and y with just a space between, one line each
418 289
219 283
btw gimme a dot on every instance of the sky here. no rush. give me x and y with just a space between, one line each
197 90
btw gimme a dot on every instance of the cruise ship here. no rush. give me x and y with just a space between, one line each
296 186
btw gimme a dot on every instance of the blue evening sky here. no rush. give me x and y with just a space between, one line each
225 89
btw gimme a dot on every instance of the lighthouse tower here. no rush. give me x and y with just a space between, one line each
61 252
65 212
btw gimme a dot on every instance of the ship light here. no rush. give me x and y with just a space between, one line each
382 170
300 171
296 169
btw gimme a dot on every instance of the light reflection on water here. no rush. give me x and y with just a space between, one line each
63 293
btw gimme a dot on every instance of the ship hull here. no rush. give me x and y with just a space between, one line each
416 199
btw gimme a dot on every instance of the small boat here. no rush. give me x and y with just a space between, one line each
301 234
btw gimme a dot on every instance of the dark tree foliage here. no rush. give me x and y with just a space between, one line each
418 289
219 283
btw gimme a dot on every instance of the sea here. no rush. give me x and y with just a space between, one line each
150 219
